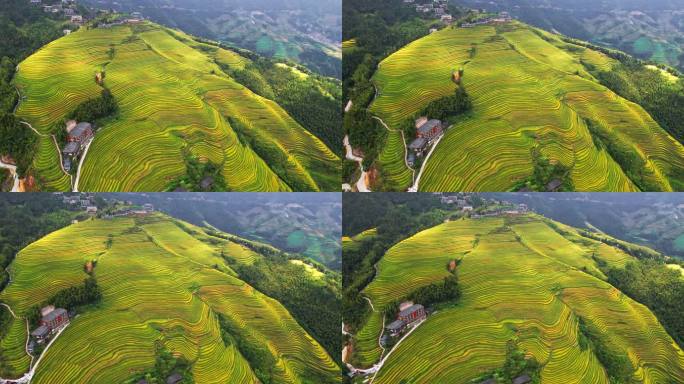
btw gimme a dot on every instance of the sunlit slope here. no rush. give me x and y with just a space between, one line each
173 99
159 284
520 280
528 91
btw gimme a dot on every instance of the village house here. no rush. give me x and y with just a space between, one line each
69 12
467 208
446 19
35 1
52 320
418 146
69 153
415 312
77 19
91 210
80 133
522 207
148 207
66 32
430 130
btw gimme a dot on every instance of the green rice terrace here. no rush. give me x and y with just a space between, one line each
164 284
523 279
175 102
533 97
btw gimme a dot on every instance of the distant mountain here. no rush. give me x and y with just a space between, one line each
650 30
306 31
307 223
652 219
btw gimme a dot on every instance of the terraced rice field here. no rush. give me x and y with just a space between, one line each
159 284
527 92
173 98
522 280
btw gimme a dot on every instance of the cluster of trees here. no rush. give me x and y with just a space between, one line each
165 365
257 354
617 364
23 220
69 298
448 106
199 177
658 287
638 252
314 303
312 100
271 153
625 155
96 108
516 365
661 98
545 172
435 293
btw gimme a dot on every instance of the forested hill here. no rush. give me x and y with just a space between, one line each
268 123
206 304
24 28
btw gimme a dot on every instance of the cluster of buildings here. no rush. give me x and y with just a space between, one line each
66 8
52 321
438 8
503 17
130 210
78 137
504 211
84 201
427 131
409 314
134 18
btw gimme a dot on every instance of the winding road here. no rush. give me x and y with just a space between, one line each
361 183
414 187
80 164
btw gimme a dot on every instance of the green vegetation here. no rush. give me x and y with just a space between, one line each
164 288
660 288
165 365
516 365
531 96
617 364
199 177
435 293
313 302
173 99
70 298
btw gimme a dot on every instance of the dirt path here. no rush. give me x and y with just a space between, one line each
414 187
361 183
13 172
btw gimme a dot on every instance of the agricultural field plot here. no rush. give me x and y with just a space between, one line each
174 101
517 286
530 93
162 283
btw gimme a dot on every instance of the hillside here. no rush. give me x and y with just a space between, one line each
164 284
176 102
304 31
534 99
524 279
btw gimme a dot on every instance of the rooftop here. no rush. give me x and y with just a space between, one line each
71 147
411 309
40 331
418 143
396 324
522 379
53 315
80 129
429 125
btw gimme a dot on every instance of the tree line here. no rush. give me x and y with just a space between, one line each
69 298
